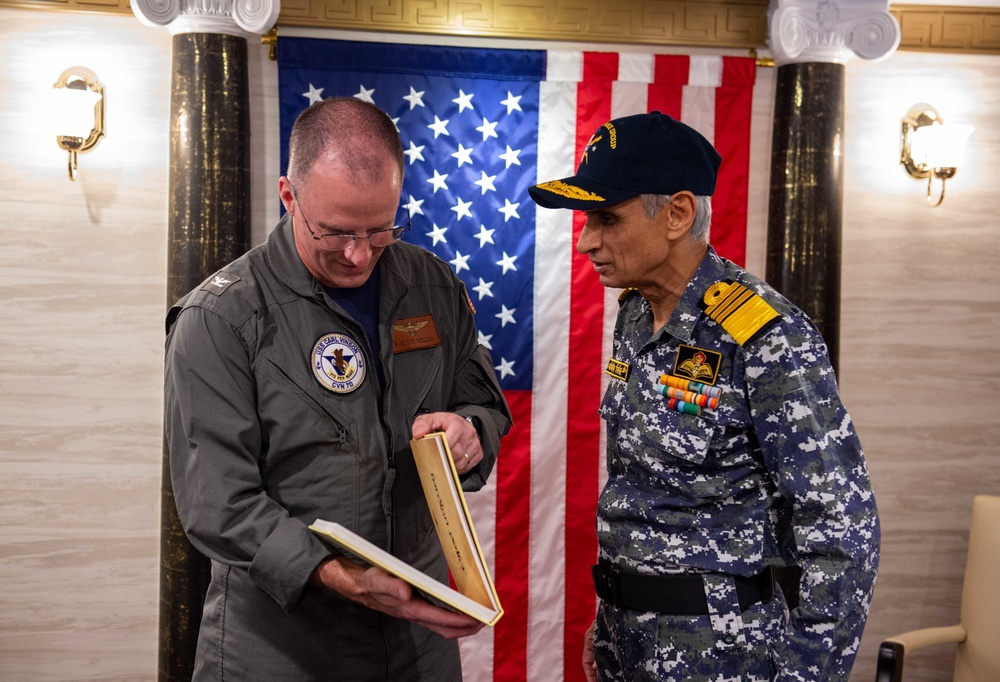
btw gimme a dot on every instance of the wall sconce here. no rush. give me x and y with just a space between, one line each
77 112
929 149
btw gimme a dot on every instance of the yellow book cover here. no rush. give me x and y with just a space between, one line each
475 594
443 490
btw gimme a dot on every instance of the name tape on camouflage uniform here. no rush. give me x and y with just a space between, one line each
618 369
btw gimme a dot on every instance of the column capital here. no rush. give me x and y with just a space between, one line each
831 30
232 17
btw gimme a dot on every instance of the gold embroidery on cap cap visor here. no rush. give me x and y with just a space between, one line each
562 189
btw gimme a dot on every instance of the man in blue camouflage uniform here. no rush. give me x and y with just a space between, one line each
729 451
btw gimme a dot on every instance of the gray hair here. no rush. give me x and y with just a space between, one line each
652 203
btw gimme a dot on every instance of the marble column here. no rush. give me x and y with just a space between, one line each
209 226
812 40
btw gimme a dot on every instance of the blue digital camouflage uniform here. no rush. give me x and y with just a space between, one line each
774 475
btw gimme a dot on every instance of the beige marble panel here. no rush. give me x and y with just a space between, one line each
82 272
920 358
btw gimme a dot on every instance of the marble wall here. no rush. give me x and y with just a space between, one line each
920 330
82 287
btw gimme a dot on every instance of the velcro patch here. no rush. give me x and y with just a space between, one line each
414 333
219 282
699 364
618 369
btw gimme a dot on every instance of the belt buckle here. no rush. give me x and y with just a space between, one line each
607 574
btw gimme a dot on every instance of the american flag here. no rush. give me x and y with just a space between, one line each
479 126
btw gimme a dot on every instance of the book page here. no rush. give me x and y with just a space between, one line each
344 539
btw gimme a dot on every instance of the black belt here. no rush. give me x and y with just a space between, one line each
680 594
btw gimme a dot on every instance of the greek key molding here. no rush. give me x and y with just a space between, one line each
935 28
736 23
726 23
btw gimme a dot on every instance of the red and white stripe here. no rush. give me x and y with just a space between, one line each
542 498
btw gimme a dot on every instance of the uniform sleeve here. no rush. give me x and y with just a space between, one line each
815 459
477 394
214 442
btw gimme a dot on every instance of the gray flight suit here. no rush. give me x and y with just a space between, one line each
274 418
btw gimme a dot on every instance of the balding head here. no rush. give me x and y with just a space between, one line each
346 132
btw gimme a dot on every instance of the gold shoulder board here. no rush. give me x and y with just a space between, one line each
741 312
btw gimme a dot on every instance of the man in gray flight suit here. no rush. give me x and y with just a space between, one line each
729 451
295 378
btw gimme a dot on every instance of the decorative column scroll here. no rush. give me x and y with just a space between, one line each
209 16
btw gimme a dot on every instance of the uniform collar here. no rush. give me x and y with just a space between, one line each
687 312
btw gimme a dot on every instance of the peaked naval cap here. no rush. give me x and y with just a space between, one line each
641 154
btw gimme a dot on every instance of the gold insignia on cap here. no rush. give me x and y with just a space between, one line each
562 189
741 312
614 134
590 145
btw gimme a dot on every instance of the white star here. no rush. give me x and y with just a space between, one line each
486 182
461 209
488 129
314 95
509 210
507 263
413 206
484 340
512 103
414 98
439 127
438 181
506 315
460 261
437 235
395 121
505 367
365 95
463 101
510 156
463 155
414 152
483 289
485 236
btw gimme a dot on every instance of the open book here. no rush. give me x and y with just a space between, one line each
475 594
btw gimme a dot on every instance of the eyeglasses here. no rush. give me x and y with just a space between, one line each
342 241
